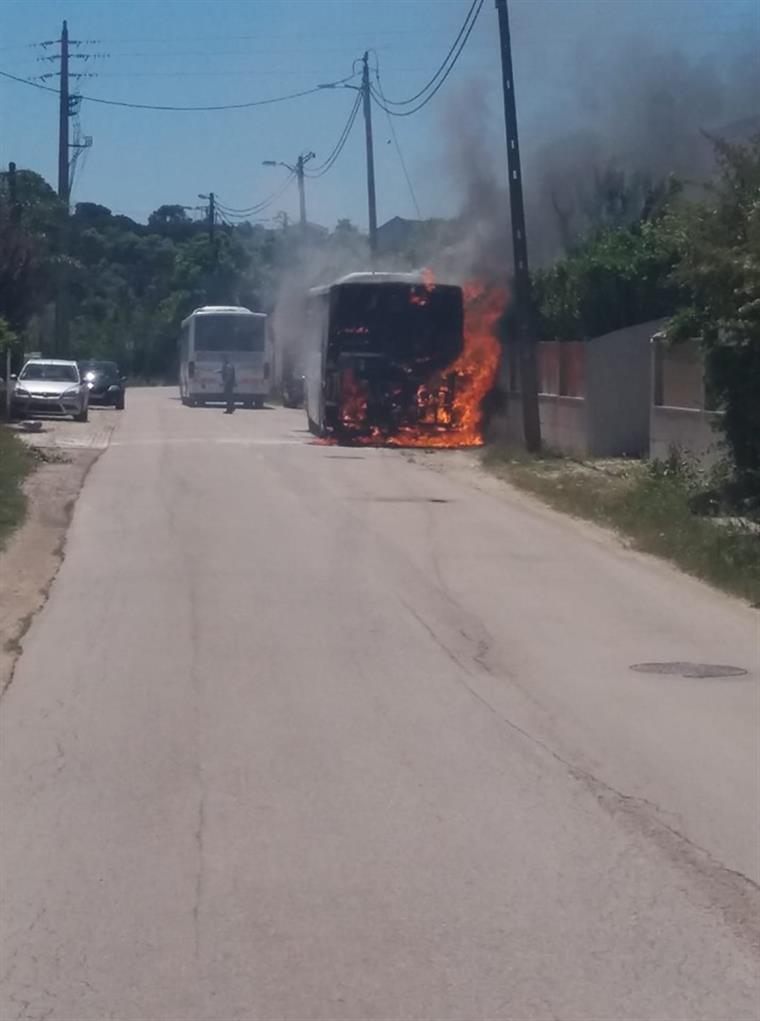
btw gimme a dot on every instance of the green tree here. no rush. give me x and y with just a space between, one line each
616 277
718 242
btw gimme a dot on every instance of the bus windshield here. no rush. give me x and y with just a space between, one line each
229 333
398 320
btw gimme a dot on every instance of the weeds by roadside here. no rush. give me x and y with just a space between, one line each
16 462
670 508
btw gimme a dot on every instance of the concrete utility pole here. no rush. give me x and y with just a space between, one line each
63 120
298 170
522 295
61 339
211 213
367 99
13 194
301 192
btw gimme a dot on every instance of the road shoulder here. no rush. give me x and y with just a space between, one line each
33 554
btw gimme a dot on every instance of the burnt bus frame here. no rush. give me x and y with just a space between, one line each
325 350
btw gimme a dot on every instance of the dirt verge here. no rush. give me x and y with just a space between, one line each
34 553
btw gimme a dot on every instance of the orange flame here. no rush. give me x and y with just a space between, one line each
450 412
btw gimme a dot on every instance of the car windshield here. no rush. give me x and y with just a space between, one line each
102 368
51 372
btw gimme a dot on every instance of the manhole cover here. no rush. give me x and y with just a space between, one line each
690 669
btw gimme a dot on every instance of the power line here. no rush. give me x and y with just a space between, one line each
323 168
407 113
442 66
166 107
259 206
402 161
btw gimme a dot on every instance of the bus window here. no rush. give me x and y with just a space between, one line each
229 333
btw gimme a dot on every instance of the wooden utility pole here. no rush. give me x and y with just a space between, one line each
367 97
522 288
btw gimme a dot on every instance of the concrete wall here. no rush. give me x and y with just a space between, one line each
679 419
688 430
612 420
563 423
618 391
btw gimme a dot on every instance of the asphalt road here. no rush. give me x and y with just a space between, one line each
308 732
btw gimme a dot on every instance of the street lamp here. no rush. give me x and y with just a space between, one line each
301 162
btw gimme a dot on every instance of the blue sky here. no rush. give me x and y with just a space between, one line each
217 51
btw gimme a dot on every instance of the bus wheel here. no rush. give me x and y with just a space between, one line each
258 402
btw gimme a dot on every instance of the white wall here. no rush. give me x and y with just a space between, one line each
685 429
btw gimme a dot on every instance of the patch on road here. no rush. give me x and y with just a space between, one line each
677 669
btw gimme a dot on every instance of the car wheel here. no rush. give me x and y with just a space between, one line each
258 403
120 402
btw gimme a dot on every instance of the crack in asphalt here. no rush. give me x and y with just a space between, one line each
641 809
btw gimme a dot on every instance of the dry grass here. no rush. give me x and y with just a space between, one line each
652 504
16 462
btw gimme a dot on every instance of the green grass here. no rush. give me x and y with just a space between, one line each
652 504
16 461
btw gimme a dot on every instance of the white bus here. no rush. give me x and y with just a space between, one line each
213 333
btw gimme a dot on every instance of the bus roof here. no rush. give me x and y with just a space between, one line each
223 310
368 277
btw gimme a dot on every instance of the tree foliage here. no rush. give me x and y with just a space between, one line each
616 277
718 245
130 284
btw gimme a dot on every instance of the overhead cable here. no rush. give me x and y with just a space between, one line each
259 206
167 107
337 149
385 104
402 161
442 66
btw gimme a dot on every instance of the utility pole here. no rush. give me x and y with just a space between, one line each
15 219
298 170
301 192
63 120
367 98
210 212
61 339
522 288
13 194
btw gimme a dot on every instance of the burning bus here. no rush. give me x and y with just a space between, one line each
380 348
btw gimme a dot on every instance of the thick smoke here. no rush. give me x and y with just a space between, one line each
314 262
644 116
635 117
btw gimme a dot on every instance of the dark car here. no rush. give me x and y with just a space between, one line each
105 383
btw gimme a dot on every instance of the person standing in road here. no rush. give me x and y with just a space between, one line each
228 384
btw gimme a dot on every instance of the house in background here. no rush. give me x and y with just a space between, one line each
396 234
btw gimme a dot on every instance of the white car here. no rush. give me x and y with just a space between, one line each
51 386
